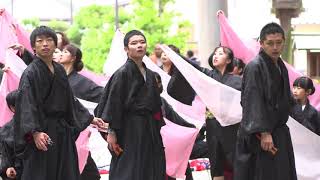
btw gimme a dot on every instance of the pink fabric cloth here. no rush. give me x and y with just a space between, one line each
82 148
173 150
97 78
223 101
231 39
10 82
11 33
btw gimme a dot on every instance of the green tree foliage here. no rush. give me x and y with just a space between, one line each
94 28
31 23
58 25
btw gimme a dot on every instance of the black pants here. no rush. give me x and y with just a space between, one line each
221 144
90 171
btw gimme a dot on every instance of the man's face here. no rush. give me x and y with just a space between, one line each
136 47
44 46
157 51
273 45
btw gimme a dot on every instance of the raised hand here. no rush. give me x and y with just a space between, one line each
18 47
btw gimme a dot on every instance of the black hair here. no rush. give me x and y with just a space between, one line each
239 63
159 82
43 31
76 52
190 53
305 83
174 48
130 34
11 98
271 28
65 40
230 56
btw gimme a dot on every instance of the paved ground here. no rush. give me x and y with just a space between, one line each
198 175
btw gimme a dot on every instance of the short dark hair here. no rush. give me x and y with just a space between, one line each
174 48
76 52
239 63
11 98
65 40
271 28
43 31
130 34
190 53
304 83
230 56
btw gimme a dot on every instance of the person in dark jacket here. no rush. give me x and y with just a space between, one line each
82 88
302 111
264 149
10 164
221 140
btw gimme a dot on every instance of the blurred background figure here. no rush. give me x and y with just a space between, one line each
156 55
191 57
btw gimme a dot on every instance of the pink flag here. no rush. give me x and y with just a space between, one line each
7 35
97 78
177 161
10 82
82 148
230 39
223 101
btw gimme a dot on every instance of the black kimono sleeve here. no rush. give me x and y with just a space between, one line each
111 106
255 115
27 110
180 89
86 89
313 118
81 115
171 115
206 71
27 57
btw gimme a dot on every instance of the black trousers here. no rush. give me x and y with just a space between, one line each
90 171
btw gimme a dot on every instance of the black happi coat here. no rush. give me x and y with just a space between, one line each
266 100
84 88
132 107
308 117
46 104
179 88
